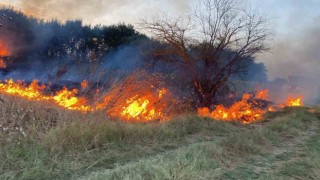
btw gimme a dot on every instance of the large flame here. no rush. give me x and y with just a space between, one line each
138 98
141 98
142 107
126 101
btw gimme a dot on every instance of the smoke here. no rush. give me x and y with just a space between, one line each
96 11
296 54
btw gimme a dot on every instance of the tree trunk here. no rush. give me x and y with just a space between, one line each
204 94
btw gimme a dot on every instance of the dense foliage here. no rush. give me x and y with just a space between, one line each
55 51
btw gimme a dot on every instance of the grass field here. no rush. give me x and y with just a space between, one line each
39 141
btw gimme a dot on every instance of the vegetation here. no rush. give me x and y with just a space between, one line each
58 52
45 142
212 44
39 140
37 45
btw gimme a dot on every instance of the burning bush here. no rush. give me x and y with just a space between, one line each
140 97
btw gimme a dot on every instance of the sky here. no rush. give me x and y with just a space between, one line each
295 24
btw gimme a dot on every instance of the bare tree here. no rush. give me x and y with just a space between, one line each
212 43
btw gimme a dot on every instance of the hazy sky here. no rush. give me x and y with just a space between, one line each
295 23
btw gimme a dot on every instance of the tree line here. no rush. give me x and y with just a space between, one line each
204 53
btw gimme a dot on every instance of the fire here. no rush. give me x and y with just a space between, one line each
247 110
142 108
31 92
141 98
294 102
3 65
262 94
142 101
3 49
243 110
68 99
136 108
126 101
3 52
84 84
65 98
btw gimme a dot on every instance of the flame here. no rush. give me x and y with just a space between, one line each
84 84
243 111
68 99
3 49
294 102
3 52
263 94
142 108
141 103
271 109
31 92
65 98
3 65
136 108
138 98
246 111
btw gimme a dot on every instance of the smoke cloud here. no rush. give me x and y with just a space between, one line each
296 53
96 11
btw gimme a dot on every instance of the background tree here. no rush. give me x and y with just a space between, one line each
212 44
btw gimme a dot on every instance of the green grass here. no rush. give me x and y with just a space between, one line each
184 148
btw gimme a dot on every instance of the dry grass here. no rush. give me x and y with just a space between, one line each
20 118
42 141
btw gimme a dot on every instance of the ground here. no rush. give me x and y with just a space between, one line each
43 142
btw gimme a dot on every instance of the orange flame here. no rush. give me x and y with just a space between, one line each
140 105
294 102
142 108
3 65
3 52
84 84
64 98
3 49
242 111
69 100
31 92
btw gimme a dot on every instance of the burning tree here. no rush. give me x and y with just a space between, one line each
212 44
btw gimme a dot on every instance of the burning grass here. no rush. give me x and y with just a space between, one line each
142 98
55 143
243 110
138 98
249 109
